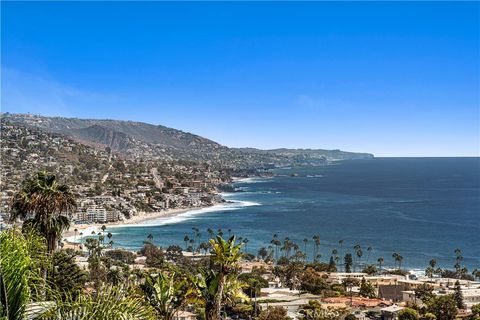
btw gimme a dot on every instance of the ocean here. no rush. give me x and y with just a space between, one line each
422 208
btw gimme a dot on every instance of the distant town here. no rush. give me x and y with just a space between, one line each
117 175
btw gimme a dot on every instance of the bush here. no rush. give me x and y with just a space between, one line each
121 255
408 314
153 254
274 313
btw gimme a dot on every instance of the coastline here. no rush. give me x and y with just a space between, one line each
140 218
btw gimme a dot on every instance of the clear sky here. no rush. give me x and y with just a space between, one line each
394 79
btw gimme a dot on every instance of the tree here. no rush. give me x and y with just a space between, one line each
331 265
273 313
186 239
380 262
315 311
49 202
20 273
110 303
312 282
316 242
166 293
458 296
121 255
366 289
305 241
254 283
150 238
64 275
408 314
458 260
370 270
224 258
476 311
262 253
443 307
348 262
154 255
424 292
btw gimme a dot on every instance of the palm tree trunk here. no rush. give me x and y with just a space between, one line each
213 312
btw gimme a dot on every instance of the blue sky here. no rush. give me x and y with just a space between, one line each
394 79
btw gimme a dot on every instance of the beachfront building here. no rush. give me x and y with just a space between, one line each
96 214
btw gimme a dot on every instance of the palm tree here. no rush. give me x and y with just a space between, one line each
359 255
186 239
75 238
380 262
369 250
395 259
109 303
316 241
109 236
399 259
458 259
276 243
287 246
225 257
210 233
150 237
476 273
305 241
245 241
357 248
49 202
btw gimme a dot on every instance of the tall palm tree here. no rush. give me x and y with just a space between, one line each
369 250
305 241
395 259
49 202
225 257
75 238
380 262
316 241
276 243
186 239
357 248
359 255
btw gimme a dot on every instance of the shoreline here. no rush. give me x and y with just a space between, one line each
140 218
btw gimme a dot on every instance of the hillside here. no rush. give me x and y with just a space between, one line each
142 140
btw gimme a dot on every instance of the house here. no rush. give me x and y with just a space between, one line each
391 312
391 292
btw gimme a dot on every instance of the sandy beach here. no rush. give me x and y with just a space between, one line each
141 217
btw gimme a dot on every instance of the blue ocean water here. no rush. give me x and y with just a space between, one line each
422 208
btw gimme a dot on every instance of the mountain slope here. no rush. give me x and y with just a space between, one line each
143 140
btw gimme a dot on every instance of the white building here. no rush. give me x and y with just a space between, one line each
96 214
